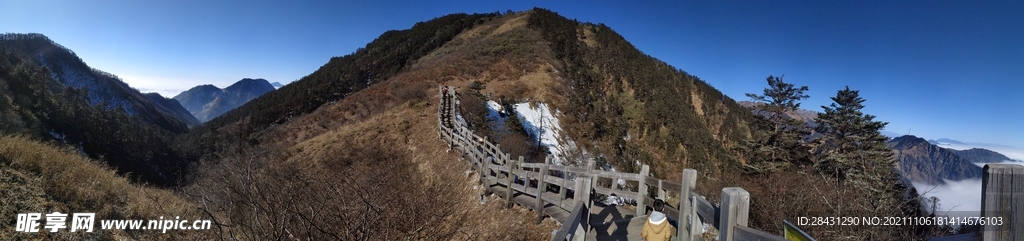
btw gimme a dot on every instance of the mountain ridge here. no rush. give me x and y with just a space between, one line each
616 105
206 102
103 88
923 162
982 155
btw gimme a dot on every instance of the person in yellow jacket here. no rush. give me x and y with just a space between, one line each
657 227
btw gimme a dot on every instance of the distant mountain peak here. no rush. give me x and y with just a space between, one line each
946 140
908 140
981 155
252 85
923 162
277 85
206 102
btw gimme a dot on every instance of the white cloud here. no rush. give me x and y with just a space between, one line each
956 198
962 198
165 86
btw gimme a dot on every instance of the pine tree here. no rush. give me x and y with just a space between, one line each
851 141
784 138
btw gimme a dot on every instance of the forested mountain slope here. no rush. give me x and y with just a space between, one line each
34 104
104 88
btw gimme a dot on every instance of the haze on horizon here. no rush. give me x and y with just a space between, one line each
940 69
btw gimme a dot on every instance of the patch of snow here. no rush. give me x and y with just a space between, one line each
494 110
494 114
540 122
609 167
614 200
58 136
458 116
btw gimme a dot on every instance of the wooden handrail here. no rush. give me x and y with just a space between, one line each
578 219
730 219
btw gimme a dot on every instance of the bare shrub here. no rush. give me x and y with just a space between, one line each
358 191
474 110
414 91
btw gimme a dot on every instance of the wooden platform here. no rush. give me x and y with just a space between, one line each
550 210
614 223
608 222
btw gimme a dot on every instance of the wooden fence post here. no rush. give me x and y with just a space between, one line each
561 188
689 182
465 140
1002 192
541 188
511 180
735 208
485 174
641 207
696 227
578 188
661 191
588 184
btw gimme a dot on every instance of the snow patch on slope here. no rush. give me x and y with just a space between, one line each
542 124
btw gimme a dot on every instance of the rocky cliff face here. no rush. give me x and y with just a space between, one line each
923 162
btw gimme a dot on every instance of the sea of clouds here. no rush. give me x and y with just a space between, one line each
963 198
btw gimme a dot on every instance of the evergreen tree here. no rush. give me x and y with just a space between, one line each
851 141
783 140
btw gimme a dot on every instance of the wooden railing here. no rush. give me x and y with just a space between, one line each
547 183
1002 196
1002 190
576 226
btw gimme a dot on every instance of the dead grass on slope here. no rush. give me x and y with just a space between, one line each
388 177
38 177
371 165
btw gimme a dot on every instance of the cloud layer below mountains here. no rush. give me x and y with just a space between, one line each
963 198
959 198
1009 151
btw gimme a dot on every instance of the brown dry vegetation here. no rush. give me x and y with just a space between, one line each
38 177
388 177
371 166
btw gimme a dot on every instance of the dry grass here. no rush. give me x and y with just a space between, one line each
387 176
588 36
44 178
514 21
378 149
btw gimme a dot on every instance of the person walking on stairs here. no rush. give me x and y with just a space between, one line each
657 227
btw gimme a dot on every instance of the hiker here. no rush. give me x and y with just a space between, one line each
657 227
445 90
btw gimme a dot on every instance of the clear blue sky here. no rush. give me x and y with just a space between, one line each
935 68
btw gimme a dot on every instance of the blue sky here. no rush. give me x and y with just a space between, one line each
933 68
